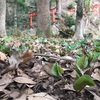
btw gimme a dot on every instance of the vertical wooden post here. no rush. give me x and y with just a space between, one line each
31 20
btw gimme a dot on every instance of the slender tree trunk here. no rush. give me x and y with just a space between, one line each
58 3
2 17
43 18
79 20
15 15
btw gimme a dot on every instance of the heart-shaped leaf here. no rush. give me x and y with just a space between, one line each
57 70
82 81
82 62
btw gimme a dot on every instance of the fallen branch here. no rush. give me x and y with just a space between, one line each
68 58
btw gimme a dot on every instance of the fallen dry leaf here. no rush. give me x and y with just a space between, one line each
23 80
9 68
5 81
69 87
23 97
48 67
40 96
15 94
26 56
96 74
14 61
17 43
96 97
2 56
37 68
73 74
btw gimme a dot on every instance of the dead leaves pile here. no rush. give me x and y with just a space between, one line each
28 76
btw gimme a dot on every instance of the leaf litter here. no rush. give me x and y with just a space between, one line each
26 74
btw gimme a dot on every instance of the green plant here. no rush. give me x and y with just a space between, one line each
57 70
20 2
70 6
69 21
70 47
96 45
83 79
4 48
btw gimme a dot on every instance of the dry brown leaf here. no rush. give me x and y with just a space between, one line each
40 96
69 87
26 56
43 74
24 80
96 97
9 68
26 53
24 94
21 73
69 58
17 43
15 94
2 56
15 57
4 82
96 74
23 97
48 67
14 61
97 64
73 74
37 68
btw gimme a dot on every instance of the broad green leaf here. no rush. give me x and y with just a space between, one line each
79 52
82 62
82 81
54 69
96 43
97 48
64 43
57 70
96 55
79 71
72 46
60 70
81 42
90 57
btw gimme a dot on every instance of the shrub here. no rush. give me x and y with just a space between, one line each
69 21
70 6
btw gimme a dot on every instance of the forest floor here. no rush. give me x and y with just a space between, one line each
34 68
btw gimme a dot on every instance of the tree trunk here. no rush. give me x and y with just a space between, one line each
79 20
43 18
15 15
2 17
58 3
